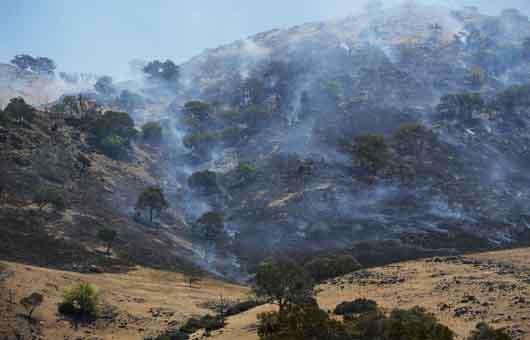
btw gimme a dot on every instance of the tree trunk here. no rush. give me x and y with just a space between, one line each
151 215
108 248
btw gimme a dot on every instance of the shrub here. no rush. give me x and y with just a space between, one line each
49 195
415 324
324 268
242 307
208 323
301 322
80 301
485 332
32 302
358 306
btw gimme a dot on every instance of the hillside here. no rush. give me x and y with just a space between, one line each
137 304
460 291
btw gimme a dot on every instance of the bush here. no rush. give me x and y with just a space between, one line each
485 332
415 324
358 306
300 323
324 268
208 323
242 307
80 301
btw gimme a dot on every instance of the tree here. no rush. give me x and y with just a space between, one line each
49 195
32 302
152 132
105 86
152 199
108 236
197 110
22 111
40 65
157 70
371 152
210 226
415 324
283 282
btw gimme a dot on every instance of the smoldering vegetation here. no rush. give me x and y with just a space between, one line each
405 125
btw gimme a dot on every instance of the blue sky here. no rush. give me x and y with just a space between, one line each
102 36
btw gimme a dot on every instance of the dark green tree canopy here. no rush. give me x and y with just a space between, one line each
158 70
152 199
152 132
40 65
283 282
18 107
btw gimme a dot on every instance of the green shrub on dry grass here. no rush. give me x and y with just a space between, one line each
80 301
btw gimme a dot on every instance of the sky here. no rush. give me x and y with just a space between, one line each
102 36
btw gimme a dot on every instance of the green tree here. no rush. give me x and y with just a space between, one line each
157 70
197 110
21 111
372 152
210 226
415 324
49 195
152 199
108 236
152 132
283 282
32 302
81 300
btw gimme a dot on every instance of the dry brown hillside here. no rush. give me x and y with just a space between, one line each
140 303
461 291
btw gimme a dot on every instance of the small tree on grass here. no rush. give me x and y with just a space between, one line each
107 236
80 301
49 195
152 199
32 302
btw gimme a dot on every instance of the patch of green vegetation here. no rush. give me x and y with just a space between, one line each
80 301
372 152
152 132
323 268
358 306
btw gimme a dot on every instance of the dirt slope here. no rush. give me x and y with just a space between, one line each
136 304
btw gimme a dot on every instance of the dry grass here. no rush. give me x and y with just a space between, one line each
135 295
